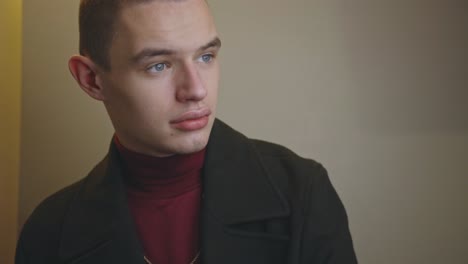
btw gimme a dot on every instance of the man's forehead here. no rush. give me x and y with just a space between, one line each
129 6
165 16
181 26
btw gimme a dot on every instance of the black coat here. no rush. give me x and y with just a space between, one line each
261 204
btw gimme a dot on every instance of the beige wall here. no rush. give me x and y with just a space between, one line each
10 92
376 90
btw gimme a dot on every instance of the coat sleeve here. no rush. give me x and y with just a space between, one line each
326 236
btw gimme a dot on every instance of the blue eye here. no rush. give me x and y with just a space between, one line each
158 67
207 58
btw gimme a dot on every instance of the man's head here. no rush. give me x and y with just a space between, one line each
154 65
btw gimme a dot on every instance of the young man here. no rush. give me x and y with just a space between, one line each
178 186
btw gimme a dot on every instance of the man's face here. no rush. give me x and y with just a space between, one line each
161 91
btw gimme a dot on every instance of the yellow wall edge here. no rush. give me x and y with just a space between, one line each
10 120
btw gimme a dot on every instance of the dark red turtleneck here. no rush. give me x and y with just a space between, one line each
164 198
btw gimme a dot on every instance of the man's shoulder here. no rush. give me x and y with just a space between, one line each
281 162
40 235
44 224
56 204
288 169
52 209
277 153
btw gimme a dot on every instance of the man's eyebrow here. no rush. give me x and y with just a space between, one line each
215 43
150 52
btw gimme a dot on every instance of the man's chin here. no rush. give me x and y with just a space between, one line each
193 145
186 142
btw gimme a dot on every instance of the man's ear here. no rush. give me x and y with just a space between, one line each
85 72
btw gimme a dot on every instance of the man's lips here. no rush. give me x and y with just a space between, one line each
192 115
192 120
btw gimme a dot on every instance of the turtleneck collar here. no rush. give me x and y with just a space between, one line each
161 177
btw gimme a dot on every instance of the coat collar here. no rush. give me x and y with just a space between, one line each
236 189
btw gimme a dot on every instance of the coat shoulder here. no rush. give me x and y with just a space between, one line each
273 154
51 209
292 174
40 234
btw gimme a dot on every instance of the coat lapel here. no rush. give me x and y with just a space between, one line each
239 198
98 227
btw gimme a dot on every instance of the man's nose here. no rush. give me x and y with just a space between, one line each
190 85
